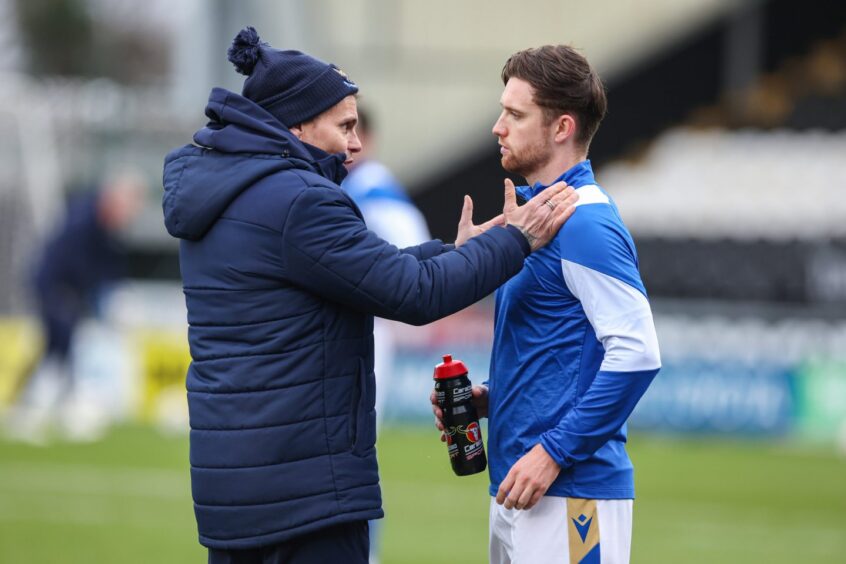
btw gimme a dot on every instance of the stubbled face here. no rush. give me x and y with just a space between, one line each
525 139
334 130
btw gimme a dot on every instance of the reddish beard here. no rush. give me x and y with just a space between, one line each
527 161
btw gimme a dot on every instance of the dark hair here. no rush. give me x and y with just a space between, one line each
563 82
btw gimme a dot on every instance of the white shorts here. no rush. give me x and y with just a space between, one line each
562 530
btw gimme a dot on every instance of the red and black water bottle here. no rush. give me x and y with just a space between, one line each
461 423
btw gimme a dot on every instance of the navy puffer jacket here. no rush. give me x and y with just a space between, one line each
281 280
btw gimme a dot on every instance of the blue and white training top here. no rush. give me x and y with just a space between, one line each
386 207
574 350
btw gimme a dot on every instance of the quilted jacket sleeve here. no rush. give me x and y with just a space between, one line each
428 249
328 249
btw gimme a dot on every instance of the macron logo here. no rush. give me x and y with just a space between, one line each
582 525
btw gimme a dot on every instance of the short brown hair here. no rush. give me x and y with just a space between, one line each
563 82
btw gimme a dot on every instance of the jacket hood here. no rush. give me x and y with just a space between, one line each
241 144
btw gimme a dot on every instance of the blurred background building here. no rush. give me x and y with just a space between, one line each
724 147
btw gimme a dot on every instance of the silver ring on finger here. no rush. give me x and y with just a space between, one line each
550 204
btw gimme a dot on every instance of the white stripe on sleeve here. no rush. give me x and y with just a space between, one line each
620 316
590 194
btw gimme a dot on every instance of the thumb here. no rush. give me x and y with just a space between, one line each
466 211
510 196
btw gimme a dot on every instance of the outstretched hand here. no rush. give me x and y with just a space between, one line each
541 217
466 229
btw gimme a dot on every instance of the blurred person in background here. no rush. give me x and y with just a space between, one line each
574 341
383 201
77 264
390 213
282 279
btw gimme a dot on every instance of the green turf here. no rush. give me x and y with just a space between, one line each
127 500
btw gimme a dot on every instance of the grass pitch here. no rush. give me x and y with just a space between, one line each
127 500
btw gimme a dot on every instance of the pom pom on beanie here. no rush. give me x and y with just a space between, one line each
244 52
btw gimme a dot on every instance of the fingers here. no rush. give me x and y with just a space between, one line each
480 400
439 417
568 196
549 193
438 413
563 200
536 497
436 409
528 480
563 216
513 495
439 425
510 197
510 191
562 206
525 498
466 212
498 220
523 494
505 488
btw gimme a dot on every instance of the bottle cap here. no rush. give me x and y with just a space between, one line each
449 368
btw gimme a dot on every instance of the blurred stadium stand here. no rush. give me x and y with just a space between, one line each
739 215
723 148
725 154
726 211
749 54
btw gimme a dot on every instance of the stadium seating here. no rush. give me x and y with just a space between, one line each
743 185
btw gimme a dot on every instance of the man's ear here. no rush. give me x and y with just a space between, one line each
297 130
565 128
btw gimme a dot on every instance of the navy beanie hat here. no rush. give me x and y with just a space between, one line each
291 85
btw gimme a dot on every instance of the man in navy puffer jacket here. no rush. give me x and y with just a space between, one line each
282 279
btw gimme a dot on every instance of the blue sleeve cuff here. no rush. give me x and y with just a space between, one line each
603 410
554 452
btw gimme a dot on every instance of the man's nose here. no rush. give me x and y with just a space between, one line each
498 128
354 145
